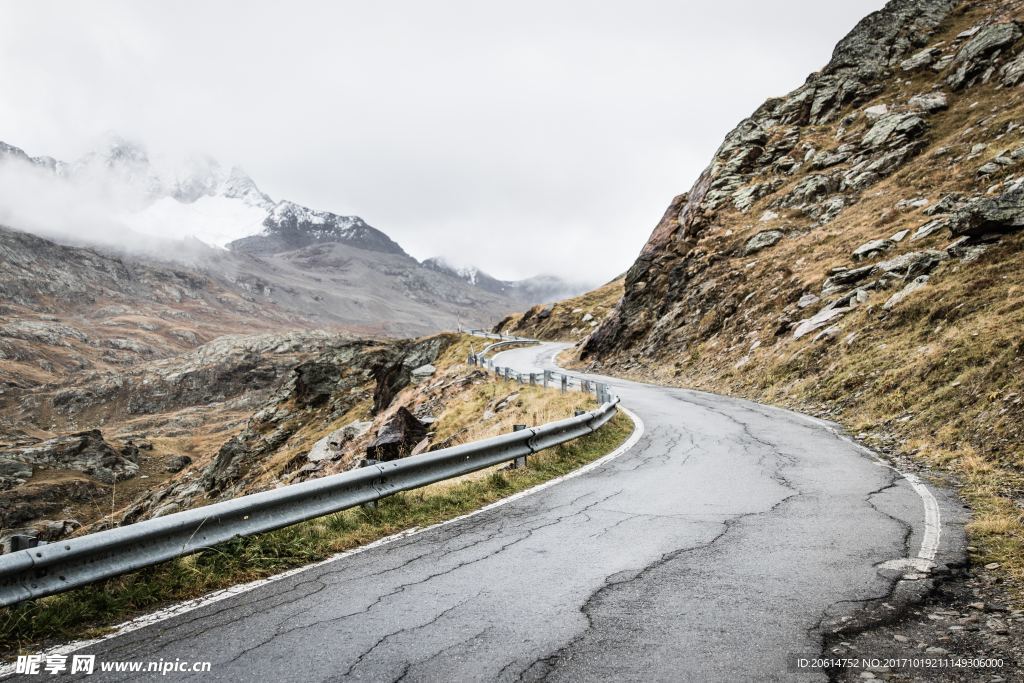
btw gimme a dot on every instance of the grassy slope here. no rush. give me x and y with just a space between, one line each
95 609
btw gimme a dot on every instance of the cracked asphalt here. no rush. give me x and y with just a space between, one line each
714 550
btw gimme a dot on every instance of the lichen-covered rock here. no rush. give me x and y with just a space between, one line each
973 57
913 263
1012 73
984 215
762 240
844 277
315 381
894 128
929 102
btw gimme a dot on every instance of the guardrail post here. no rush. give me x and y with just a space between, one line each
547 378
369 462
533 380
565 384
20 542
519 462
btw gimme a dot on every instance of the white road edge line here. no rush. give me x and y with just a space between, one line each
932 535
145 620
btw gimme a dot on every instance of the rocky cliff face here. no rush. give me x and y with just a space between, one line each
855 249
896 163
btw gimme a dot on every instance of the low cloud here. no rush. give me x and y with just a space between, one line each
89 209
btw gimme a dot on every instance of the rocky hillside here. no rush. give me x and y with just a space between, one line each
574 318
239 415
855 249
71 310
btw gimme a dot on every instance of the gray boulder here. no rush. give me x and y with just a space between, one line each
819 320
841 279
913 263
919 59
929 228
423 372
331 446
929 102
178 463
914 285
397 437
872 248
808 299
894 128
762 240
985 215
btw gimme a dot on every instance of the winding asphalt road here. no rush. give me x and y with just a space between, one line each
714 549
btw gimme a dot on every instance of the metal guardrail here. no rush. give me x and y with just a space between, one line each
62 565
565 381
499 336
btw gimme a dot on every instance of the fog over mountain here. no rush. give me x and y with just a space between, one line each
569 127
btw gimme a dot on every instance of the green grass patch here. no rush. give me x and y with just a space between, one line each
96 609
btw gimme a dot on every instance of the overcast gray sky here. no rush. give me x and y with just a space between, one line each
506 135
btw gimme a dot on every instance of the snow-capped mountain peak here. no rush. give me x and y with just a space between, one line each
197 198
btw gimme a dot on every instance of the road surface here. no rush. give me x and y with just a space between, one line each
712 550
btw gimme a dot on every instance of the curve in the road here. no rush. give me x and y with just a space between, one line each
718 547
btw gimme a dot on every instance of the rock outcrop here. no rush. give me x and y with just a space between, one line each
810 163
85 452
321 389
397 437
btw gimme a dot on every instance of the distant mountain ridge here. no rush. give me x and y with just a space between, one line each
540 289
291 226
317 264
